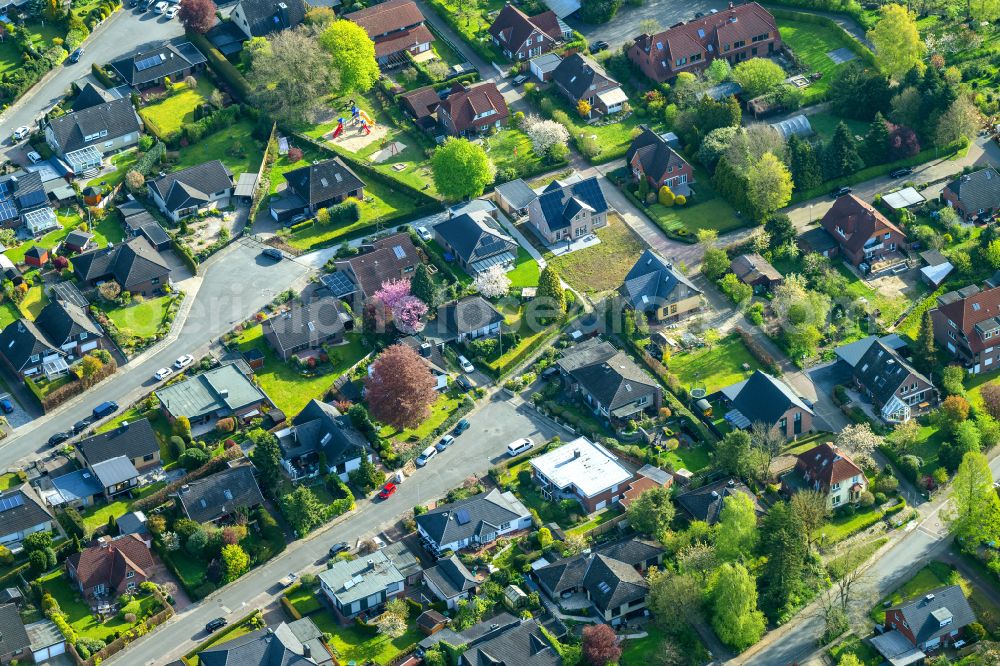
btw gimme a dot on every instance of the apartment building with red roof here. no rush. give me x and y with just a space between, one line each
396 26
967 325
522 37
863 234
736 34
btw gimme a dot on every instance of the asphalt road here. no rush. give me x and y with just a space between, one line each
493 426
236 283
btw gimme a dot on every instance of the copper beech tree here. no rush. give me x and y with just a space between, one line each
197 15
400 390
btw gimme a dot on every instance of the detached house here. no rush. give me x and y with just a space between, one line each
82 138
967 325
316 186
361 585
705 502
522 37
135 265
472 110
321 433
894 386
476 241
974 196
935 620
219 393
659 290
391 258
520 642
736 34
259 18
21 514
756 271
479 519
307 327
298 643
651 157
579 78
146 69
61 332
14 640
396 27
611 576
450 581
830 471
194 190
610 382
864 235
470 318
112 567
568 212
584 471
770 401
218 497
115 459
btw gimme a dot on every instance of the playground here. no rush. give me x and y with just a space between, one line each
356 130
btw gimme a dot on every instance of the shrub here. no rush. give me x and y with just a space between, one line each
866 499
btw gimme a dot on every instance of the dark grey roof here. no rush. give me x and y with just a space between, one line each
520 645
220 494
654 281
978 190
91 95
576 74
882 370
613 379
705 503
403 558
13 637
321 427
634 552
490 627
944 604
264 647
114 471
20 511
818 240
61 321
309 324
117 118
166 60
469 314
78 238
133 522
470 517
560 204
655 154
77 485
265 16
516 193
135 439
323 181
193 186
611 583
132 263
763 398
20 340
450 577
475 237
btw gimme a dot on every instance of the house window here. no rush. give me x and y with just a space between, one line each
835 500
147 458
129 574
155 280
783 423
835 486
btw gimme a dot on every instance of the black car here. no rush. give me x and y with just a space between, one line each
598 46
461 427
80 426
273 253
900 172
59 438
463 383
840 191
144 5
217 623
75 56
338 548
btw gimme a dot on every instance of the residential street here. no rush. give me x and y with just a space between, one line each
494 425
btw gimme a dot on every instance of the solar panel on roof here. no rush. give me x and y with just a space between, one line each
339 284
399 251
462 516
8 211
146 63
12 502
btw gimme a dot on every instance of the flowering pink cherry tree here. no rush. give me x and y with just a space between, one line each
408 313
392 292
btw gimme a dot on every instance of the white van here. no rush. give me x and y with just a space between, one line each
426 455
519 446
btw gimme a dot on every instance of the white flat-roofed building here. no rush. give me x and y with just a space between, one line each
584 471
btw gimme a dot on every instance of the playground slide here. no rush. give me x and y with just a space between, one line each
365 117
337 132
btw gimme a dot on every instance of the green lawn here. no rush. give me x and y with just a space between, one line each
8 314
122 162
712 214
865 653
234 146
526 271
601 268
690 458
928 447
10 56
354 643
612 138
284 383
96 517
69 219
825 124
716 368
304 599
78 614
811 42
594 522
33 302
169 114
440 411
841 525
140 319
380 203
511 148
8 481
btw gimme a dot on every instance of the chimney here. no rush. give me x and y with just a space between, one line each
371 565
306 651
123 427
576 453
283 13
425 349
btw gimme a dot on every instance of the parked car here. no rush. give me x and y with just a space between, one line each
519 79
288 580
80 426
6 406
466 365
160 7
144 5
21 132
900 172
171 12
840 191
216 624
162 374
464 383
75 56
444 442
59 438
424 233
106 408
387 491
34 157
519 446
425 456
338 548
461 427
598 46
184 361
273 253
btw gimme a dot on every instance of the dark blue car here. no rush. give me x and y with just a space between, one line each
6 405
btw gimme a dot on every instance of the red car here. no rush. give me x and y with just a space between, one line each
387 492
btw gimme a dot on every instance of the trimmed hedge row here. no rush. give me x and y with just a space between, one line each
856 47
239 86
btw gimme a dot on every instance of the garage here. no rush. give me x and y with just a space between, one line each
46 640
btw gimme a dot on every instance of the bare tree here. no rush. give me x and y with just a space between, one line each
769 441
811 508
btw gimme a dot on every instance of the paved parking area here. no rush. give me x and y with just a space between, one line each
625 25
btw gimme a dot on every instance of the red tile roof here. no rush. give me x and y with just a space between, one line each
109 561
512 27
387 17
400 41
858 220
827 465
422 101
971 310
464 104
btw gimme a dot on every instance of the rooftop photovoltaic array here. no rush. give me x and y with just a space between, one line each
12 502
151 61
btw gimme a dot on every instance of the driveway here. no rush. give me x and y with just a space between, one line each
821 379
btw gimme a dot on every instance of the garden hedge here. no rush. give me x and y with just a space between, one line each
857 48
239 86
